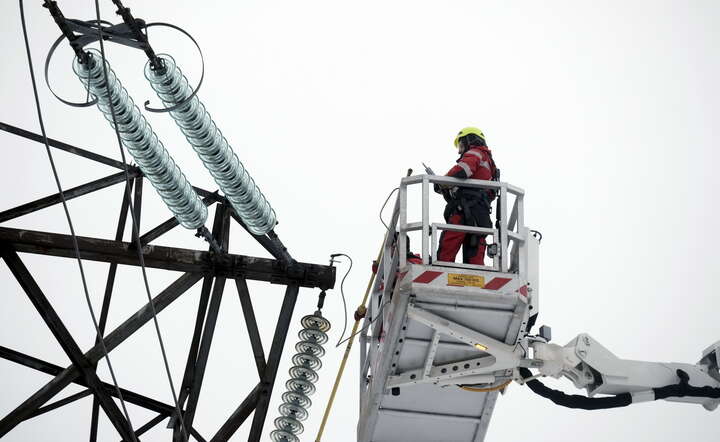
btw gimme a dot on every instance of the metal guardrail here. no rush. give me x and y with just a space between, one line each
509 235
511 238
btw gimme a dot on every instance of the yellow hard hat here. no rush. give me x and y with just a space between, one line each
468 131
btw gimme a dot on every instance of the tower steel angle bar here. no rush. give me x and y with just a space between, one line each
268 379
238 417
200 344
54 370
65 146
75 192
112 340
171 223
62 402
137 206
172 258
210 266
251 324
107 296
68 344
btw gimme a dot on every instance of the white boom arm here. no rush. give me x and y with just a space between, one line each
591 366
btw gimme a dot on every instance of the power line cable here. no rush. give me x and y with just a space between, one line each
69 219
383 208
136 233
372 321
342 294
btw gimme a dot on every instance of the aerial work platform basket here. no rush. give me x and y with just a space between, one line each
438 340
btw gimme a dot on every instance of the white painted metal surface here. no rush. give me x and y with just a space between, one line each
432 327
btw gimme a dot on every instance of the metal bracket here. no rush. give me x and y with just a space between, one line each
506 356
454 370
120 33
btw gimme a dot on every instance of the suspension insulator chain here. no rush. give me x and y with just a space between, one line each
172 87
303 376
141 141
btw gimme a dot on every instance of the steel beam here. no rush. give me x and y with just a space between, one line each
68 344
54 370
171 223
268 379
239 416
112 340
66 147
195 342
202 335
251 323
204 351
272 244
107 296
149 425
137 206
170 258
69 194
68 400
128 396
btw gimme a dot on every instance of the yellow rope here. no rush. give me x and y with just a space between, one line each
349 347
486 390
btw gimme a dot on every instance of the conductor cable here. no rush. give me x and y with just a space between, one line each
342 295
136 234
69 220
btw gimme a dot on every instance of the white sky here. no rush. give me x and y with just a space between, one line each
604 112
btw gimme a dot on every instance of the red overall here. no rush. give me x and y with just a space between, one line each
469 208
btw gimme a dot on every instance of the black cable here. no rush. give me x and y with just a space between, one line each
69 219
372 321
342 294
574 400
136 233
682 389
383 208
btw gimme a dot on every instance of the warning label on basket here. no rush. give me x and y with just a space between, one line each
462 280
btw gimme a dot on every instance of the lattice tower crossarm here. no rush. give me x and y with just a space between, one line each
141 141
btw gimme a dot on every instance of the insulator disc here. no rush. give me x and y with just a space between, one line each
300 372
311 348
300 385
315 321
283 436
294 397
306 360
313 335
295 411
289 424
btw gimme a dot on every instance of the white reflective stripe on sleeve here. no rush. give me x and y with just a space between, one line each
466 168
477 154
643 396
482 163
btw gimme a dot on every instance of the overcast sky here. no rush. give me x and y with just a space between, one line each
604 112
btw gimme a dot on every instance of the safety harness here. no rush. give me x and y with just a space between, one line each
462 200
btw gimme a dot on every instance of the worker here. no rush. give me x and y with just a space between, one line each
468 206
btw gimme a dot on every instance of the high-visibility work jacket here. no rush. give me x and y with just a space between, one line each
476 163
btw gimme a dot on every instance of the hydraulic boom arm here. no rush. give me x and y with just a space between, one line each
591 366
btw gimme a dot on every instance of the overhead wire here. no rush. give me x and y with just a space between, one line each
69 220
342 295
366 326
136 234
383 207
